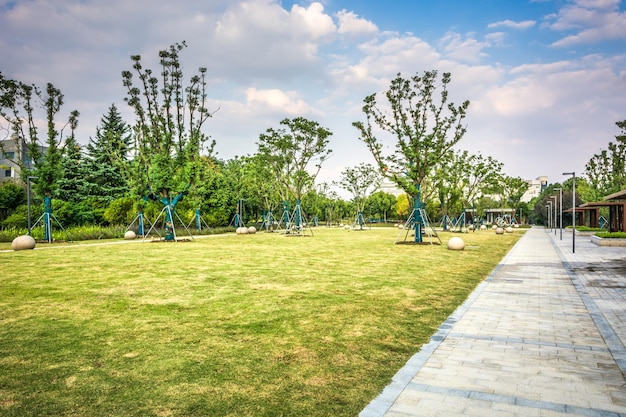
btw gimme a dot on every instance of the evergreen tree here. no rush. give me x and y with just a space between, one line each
71 183
107 158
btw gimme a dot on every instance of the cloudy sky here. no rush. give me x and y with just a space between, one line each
546 78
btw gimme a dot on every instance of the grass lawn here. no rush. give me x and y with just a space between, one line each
250 325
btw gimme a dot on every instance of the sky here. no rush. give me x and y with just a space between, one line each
546 79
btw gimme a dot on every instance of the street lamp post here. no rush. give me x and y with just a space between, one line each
554 218
573 174
28 200
549 210
560 190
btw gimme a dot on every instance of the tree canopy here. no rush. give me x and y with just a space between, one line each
168 131
295 153
425 128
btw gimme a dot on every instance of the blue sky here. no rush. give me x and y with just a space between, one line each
546 79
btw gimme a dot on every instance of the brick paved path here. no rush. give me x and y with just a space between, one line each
544 335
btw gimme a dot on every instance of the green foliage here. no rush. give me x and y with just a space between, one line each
72 182
380 204
71 213
294 154
424 128
610 235
11 197
106 159
168 127
606 171
121 211
18 109
19 217
360 181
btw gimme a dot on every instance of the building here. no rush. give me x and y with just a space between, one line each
390 187
535 188
10 153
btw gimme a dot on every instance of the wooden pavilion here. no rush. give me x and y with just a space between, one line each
588 214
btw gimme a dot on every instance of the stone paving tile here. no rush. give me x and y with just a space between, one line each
542 336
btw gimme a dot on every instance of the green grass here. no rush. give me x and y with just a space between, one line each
611 235
252 325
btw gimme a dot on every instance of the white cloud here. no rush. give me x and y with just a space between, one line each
276 101
466 49
266 62
592 20
525 24
351 24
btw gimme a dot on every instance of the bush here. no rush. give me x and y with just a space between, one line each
120 211
19 218
589 229
611 235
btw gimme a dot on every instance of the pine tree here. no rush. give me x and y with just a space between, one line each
107 157
72 183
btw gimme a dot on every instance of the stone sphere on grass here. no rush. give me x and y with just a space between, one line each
509 229
242 230
251 230
23 242
499 231
483 227
130 235
456 243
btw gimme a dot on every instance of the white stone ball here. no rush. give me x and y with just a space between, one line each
456 243
347 227
499 231
242 230
483 227
130 235
470 227
23 242
494 227
516 225
509 229
340 224
251 230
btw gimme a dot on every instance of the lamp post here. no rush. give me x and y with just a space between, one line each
554 217
573 174
549 210
28 200
560 190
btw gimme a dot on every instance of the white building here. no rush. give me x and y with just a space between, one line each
535 187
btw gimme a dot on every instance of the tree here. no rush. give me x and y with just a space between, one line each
606 171
106 158
72 180
380 204
512 189
360 181
482 176
168 130
424 128
18 102
295 154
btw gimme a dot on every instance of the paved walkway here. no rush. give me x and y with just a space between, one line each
544 335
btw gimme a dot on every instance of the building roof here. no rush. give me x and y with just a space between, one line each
620 195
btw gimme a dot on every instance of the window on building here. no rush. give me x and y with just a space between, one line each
8 173
8 155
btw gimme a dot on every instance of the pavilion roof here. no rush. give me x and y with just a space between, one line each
620 195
